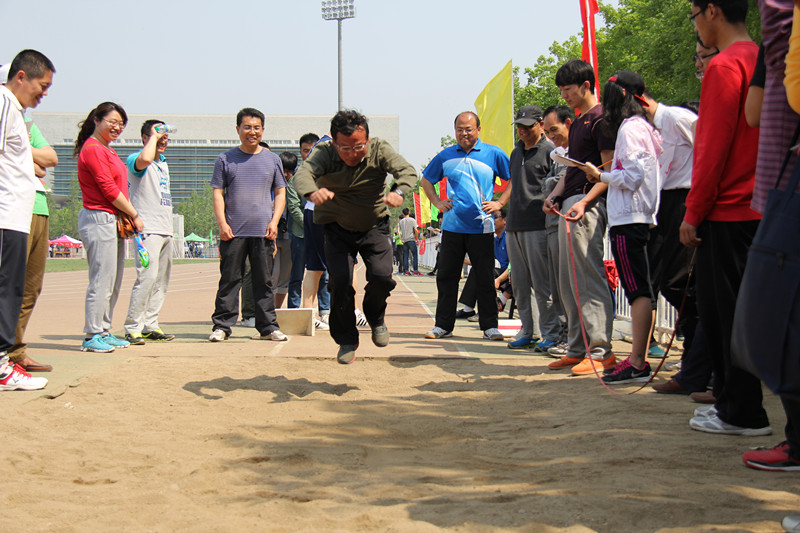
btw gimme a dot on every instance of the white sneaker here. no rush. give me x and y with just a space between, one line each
217 336
559 350
473 318
713 424
15 378
493 334
320 325
791 523
706 410
361 319
276 335
438 333
248 322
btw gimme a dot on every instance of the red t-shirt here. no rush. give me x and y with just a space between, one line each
725 147
102 176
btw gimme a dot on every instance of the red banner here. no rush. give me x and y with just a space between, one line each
588 11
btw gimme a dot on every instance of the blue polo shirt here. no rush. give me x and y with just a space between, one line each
470 182
500 252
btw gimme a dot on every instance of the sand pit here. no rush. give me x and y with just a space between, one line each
254 436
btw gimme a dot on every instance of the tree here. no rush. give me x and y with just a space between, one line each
63 220
198 212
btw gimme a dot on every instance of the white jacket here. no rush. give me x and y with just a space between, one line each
635 179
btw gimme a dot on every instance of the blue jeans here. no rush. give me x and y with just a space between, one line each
410 248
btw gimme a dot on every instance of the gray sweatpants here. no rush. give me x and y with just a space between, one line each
106 254
150 289
595 297
528 256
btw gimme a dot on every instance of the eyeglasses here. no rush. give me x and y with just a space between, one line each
693 17
248 129
351 149
468 131
115 123
698 58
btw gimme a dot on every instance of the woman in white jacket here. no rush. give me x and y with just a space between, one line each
634 183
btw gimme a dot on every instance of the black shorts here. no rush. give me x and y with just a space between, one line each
629 245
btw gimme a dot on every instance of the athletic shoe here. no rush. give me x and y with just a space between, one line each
775 459
706 410
417 273
501 305
96 344
673 366
559 350
474 318
158 335
791 523
217 336
493 334
432 273
543 346
134 338
656 352
588 365
320 325
713 424
275 335
361 319
626 373
14 377
438 333
111 340
522 342
564 362
461 313
406 273
347 353
380 336
248 322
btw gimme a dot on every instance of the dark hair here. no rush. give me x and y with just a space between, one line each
735 11
618 104
148 125
347 121
87 125
264 144
34 64
499 214
249 112
309 138
692 105
473 113
289 161
406 211
575 71
562 113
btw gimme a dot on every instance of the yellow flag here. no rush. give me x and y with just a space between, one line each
424 208
495 107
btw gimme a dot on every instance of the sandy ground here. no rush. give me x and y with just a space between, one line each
460 434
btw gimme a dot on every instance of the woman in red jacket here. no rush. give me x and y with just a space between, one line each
104 185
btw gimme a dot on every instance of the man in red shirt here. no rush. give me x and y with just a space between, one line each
719 220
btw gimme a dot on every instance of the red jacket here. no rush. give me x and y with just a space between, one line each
725 147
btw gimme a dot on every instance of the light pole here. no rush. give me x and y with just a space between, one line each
339 10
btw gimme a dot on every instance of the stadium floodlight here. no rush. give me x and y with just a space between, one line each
339 10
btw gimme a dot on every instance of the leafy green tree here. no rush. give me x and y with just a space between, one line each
198 212
63 220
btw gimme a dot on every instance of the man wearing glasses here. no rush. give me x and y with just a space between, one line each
148 184
470 167
245 180
719 221
345 179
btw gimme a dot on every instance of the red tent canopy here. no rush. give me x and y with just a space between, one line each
68 241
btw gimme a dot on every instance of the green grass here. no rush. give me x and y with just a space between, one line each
69 265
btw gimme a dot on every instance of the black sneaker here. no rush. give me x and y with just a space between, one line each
464 314
134 339
157 335
380 336
626 373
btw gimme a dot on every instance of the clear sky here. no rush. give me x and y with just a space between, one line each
422 60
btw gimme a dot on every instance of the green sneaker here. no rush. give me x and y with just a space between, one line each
134 338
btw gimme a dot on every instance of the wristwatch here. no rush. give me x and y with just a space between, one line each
398 191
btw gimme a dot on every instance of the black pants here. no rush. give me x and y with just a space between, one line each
721 260
341 248
452 250
791 405
697 364
469 294
669 264
232 256
13 256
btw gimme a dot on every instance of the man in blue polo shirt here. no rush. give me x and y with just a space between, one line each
468 226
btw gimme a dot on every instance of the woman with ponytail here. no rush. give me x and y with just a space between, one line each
104 185
634 183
